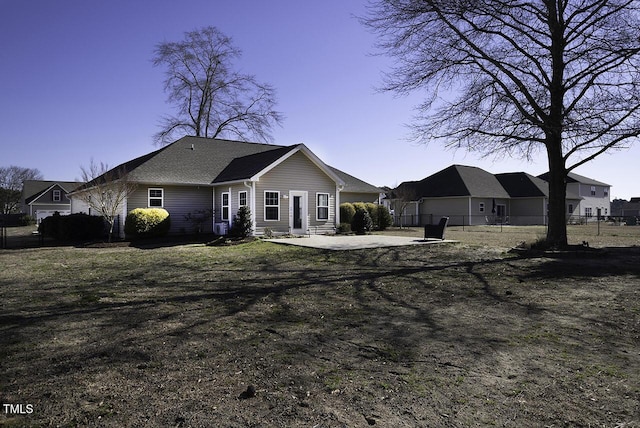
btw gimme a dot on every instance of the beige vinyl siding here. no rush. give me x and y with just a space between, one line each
297 173
178 201
527 211
234 200
457 209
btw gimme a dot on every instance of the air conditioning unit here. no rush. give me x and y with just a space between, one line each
220 228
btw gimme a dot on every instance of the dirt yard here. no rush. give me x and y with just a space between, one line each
264 335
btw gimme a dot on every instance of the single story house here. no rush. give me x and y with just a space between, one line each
288 189
42 198
471 196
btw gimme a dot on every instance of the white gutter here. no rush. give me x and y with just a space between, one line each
252 202
339 188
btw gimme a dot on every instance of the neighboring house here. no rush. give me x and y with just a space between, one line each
629 208
529 198
470 196
466 194
594 197
287 188
41 199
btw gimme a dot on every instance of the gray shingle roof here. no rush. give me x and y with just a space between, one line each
248 166
192 160
355 185
522 185
576 178
457 180
205 161
32 189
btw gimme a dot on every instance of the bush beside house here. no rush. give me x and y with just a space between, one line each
242 225
347 211
378 214
147 223
362 222
73 227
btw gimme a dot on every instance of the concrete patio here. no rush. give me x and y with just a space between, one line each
353 242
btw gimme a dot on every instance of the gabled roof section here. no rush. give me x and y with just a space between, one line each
248 166
206 161
523 185
194 160
457 180
189 160
33 189
252 167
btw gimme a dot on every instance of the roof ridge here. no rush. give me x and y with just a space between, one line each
225 140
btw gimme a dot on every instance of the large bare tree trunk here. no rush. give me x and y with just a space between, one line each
557 226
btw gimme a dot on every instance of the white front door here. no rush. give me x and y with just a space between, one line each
298 212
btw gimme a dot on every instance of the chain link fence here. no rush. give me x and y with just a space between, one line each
415 220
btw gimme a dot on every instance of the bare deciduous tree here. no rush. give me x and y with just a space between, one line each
105 191
12 179
511 77
211 98
401 197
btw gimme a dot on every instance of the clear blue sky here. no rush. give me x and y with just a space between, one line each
76 83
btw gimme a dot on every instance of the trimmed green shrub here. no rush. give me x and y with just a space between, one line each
384 218
344 228
361 223
242 226
347 211
147 223
360 205
73 227
372 209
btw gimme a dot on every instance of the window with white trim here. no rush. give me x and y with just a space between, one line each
593 190
156 197
225 206
322 206
570 210
272 206
57 196
588 212
481 207
242 198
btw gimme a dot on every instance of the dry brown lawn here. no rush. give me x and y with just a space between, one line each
458 335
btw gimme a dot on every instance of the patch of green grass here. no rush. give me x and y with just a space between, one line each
419 384
599 371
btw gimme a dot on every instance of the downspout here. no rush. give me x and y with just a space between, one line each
251 185
213 208
125 209
230 214
470 218
339 189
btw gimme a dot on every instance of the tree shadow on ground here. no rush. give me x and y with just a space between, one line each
361 323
